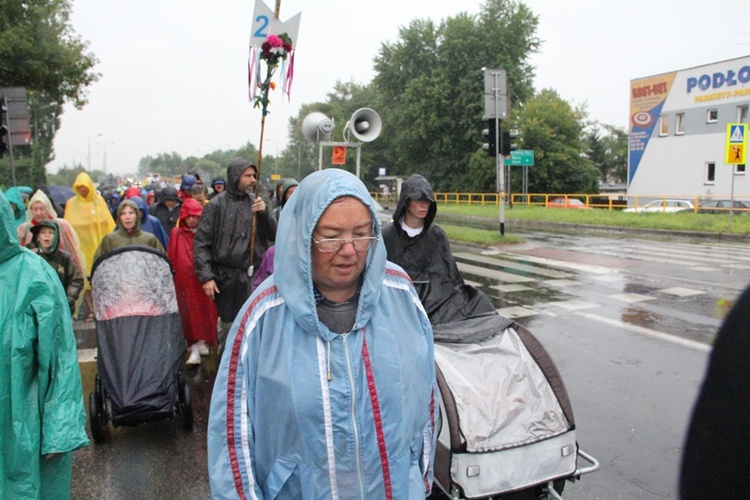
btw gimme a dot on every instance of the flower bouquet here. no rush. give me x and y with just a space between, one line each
274 52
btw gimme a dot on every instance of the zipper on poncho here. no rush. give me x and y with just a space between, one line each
354 417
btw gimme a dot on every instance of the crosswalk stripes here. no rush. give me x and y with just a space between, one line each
590 286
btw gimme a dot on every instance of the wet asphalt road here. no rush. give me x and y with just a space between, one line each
627 321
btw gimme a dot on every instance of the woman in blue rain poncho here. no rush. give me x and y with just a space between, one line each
326 388
41 416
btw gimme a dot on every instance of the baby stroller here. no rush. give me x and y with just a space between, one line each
140 342
507 429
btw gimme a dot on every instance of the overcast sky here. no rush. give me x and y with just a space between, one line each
174 73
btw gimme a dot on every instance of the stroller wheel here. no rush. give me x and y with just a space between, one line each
186 405
96 419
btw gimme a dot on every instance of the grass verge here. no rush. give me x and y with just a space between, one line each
479 236
713 223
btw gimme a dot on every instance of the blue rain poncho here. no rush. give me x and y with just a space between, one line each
279 426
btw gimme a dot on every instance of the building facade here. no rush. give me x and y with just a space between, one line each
678 127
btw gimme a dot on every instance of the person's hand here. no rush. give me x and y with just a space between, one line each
49 456
259 205
210 289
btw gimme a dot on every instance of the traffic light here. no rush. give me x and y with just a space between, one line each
489 135
509 143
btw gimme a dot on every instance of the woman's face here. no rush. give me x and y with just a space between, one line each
83 191
39 211
128 216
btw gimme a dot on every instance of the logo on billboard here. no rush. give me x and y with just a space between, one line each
643 119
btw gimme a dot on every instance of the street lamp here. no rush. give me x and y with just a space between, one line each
92 137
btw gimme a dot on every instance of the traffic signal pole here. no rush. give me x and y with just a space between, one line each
5 122
496 108
499 164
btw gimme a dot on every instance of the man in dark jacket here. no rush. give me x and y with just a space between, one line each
167 209
222 242
422 249
45 244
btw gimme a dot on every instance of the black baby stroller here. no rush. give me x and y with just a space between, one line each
507 427
140 342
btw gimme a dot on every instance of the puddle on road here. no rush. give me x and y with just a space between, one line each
645 318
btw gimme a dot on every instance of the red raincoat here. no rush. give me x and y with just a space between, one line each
198 313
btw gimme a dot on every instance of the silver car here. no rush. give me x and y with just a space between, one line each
665 206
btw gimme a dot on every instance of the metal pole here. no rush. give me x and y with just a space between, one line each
358 155
499 164
9 135
731 199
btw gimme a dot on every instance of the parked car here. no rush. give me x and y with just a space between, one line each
721 206
567 203
384 216
664 206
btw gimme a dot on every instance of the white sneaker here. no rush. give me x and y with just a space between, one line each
202 348
195 357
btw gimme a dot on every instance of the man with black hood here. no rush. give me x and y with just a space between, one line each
422 249
167 209
223 263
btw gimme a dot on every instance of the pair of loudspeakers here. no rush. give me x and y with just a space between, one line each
365 125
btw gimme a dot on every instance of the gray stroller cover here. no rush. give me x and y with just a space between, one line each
507 422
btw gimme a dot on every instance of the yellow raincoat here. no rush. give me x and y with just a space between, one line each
90 218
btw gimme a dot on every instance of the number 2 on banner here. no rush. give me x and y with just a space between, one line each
261 31
339 155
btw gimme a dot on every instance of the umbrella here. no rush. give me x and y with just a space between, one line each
61 194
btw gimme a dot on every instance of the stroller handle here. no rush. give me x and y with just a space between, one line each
590 459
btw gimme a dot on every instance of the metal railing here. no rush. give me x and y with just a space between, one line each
607 201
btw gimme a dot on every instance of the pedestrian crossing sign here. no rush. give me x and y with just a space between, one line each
736 145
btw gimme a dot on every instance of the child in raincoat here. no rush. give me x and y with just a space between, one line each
45 243
198 313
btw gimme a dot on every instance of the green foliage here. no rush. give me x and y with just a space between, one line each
166 164
553 129
40 51
432 84
608 150
66 176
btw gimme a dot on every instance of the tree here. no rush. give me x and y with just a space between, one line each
40 51
608 150
166 164
432 81
554 130
66 176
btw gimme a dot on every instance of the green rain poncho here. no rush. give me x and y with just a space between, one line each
41 399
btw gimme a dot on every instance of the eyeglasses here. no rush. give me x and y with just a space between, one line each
330 245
